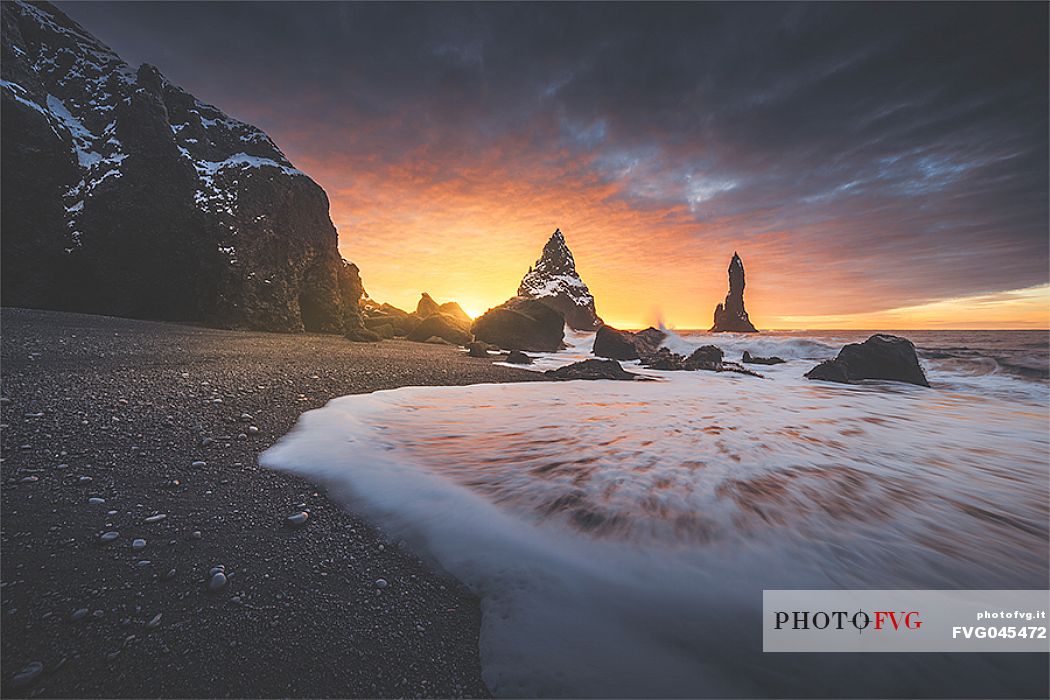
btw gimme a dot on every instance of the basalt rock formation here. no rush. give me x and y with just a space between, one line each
555 282
451 322
879 357
521 324
125 195
731 315
750 359
593 369
626 345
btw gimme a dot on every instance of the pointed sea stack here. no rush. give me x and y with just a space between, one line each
555 283
731 316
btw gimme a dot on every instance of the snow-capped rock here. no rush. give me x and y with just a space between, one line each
124 194
555 282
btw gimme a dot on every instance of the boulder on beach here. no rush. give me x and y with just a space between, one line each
362 335
881 356
521 324
755 360
441 326
626 345
477 349
517 357
731 315
593 369
705 357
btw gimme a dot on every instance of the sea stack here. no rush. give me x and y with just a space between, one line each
731 316
554 282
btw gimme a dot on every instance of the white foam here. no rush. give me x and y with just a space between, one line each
619 534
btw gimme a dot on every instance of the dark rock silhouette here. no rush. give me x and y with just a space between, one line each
476 349
521 324
879 357
626 345
517 357
440 326
707 358
731 315
750 359
555 282
427 306
593 369
125 195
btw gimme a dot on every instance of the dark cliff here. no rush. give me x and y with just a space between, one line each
125 195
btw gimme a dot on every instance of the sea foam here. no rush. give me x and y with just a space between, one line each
619 534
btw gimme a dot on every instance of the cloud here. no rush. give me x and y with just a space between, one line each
861 157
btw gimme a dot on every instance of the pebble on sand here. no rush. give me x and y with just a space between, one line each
27 675
109 536
297 519
138 543
79 614
217 581
96 501
156 518
381 583
155 622
199 464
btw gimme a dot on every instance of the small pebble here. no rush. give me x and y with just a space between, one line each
252 430
156 518
170 574
217 582
196 534
30 479
96 501
199 464
27 675
381 583
242 436
138 544
79 614
109 536
246 417
85 479
297 519
155 622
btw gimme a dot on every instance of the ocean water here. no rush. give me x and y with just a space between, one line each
620 534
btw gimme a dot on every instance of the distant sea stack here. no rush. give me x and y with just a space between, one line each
555 282
125 195
731 316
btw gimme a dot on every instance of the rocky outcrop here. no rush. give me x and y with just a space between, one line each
731 315
555 282
879 357
750 359
440 326
593 369
125 195
626 345
521 324
707 358
517 357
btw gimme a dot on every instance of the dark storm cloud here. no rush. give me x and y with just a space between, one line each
908 143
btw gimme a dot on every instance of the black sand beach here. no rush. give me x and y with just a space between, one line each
100 407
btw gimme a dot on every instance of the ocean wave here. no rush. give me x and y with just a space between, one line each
619 534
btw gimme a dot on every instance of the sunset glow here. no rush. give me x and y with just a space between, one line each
877 179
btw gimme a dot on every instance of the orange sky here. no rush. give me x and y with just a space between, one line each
868 175
469 236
